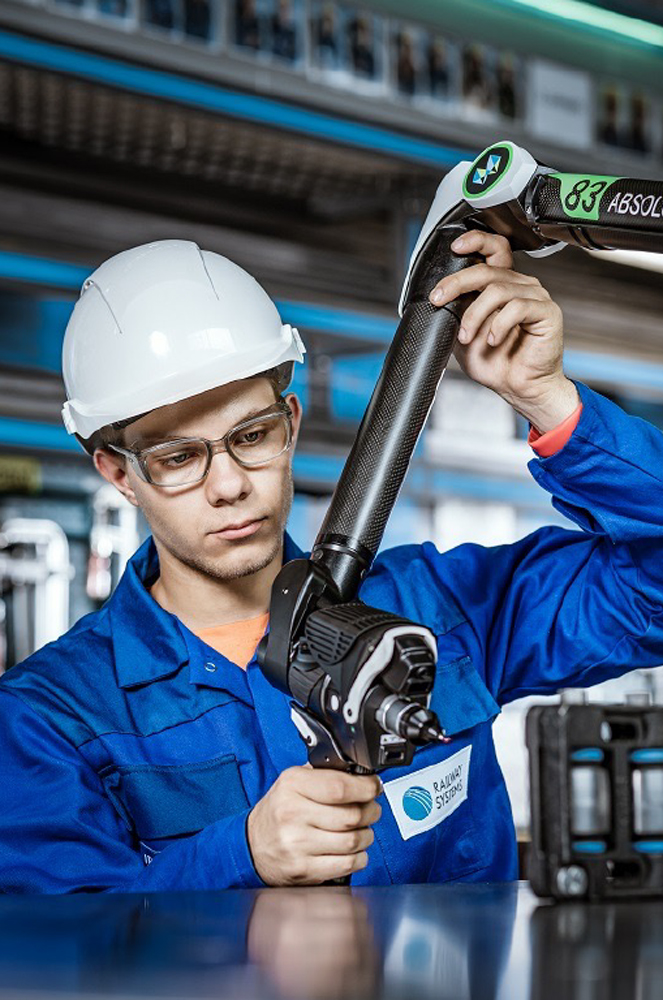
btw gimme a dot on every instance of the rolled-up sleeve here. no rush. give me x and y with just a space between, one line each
563 607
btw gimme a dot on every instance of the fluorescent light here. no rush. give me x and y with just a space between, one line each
590 16
633 258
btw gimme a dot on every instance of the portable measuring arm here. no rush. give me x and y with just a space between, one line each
361 678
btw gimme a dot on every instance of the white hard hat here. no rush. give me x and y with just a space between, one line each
162 322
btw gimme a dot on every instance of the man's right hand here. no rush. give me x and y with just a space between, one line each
313 826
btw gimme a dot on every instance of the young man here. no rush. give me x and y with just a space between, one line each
145 751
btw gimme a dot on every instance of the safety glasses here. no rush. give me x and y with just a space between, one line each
253 442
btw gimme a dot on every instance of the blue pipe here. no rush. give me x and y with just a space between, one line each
220 100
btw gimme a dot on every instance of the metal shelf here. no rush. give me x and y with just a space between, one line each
449 138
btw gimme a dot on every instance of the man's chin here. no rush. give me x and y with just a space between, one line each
241 557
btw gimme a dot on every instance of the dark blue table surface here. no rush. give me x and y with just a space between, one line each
418 942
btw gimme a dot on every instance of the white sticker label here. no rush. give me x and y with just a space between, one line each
421 800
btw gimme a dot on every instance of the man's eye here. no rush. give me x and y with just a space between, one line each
252 437
176 461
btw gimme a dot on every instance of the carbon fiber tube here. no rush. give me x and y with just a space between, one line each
379 459
598 212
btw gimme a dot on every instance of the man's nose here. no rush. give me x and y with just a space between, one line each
226 481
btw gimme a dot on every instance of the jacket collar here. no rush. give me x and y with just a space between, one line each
148 643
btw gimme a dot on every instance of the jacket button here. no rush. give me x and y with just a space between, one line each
211 667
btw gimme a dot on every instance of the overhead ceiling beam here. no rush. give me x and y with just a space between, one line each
211 97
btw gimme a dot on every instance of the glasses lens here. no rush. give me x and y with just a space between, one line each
261 440
177 464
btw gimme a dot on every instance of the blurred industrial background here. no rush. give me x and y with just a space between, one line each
304 139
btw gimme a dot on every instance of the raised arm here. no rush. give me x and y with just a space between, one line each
559 607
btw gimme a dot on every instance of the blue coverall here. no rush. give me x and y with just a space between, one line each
131 752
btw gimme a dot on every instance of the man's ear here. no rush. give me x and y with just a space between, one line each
297 412
114 469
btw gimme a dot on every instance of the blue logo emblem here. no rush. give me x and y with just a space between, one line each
483 174
417 802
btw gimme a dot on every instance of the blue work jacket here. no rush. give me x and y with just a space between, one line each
131 752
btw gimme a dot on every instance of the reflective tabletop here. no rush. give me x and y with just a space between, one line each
416 942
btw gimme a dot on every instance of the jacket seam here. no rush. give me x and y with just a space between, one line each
519 692
35 710
513 692
604 451
157 732
201 765
113 732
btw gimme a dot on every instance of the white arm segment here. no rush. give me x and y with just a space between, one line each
452 195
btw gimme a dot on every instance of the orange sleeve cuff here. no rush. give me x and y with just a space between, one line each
553 441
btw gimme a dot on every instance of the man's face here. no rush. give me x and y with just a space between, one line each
231 524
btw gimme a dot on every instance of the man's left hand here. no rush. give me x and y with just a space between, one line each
511 337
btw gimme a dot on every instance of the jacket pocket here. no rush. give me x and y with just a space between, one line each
162 801
446 839
429 831
460 697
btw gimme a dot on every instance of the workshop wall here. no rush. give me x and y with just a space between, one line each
304 139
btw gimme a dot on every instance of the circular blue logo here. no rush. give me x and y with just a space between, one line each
417 802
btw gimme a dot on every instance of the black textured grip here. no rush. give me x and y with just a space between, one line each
374 471
607 212
379 459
